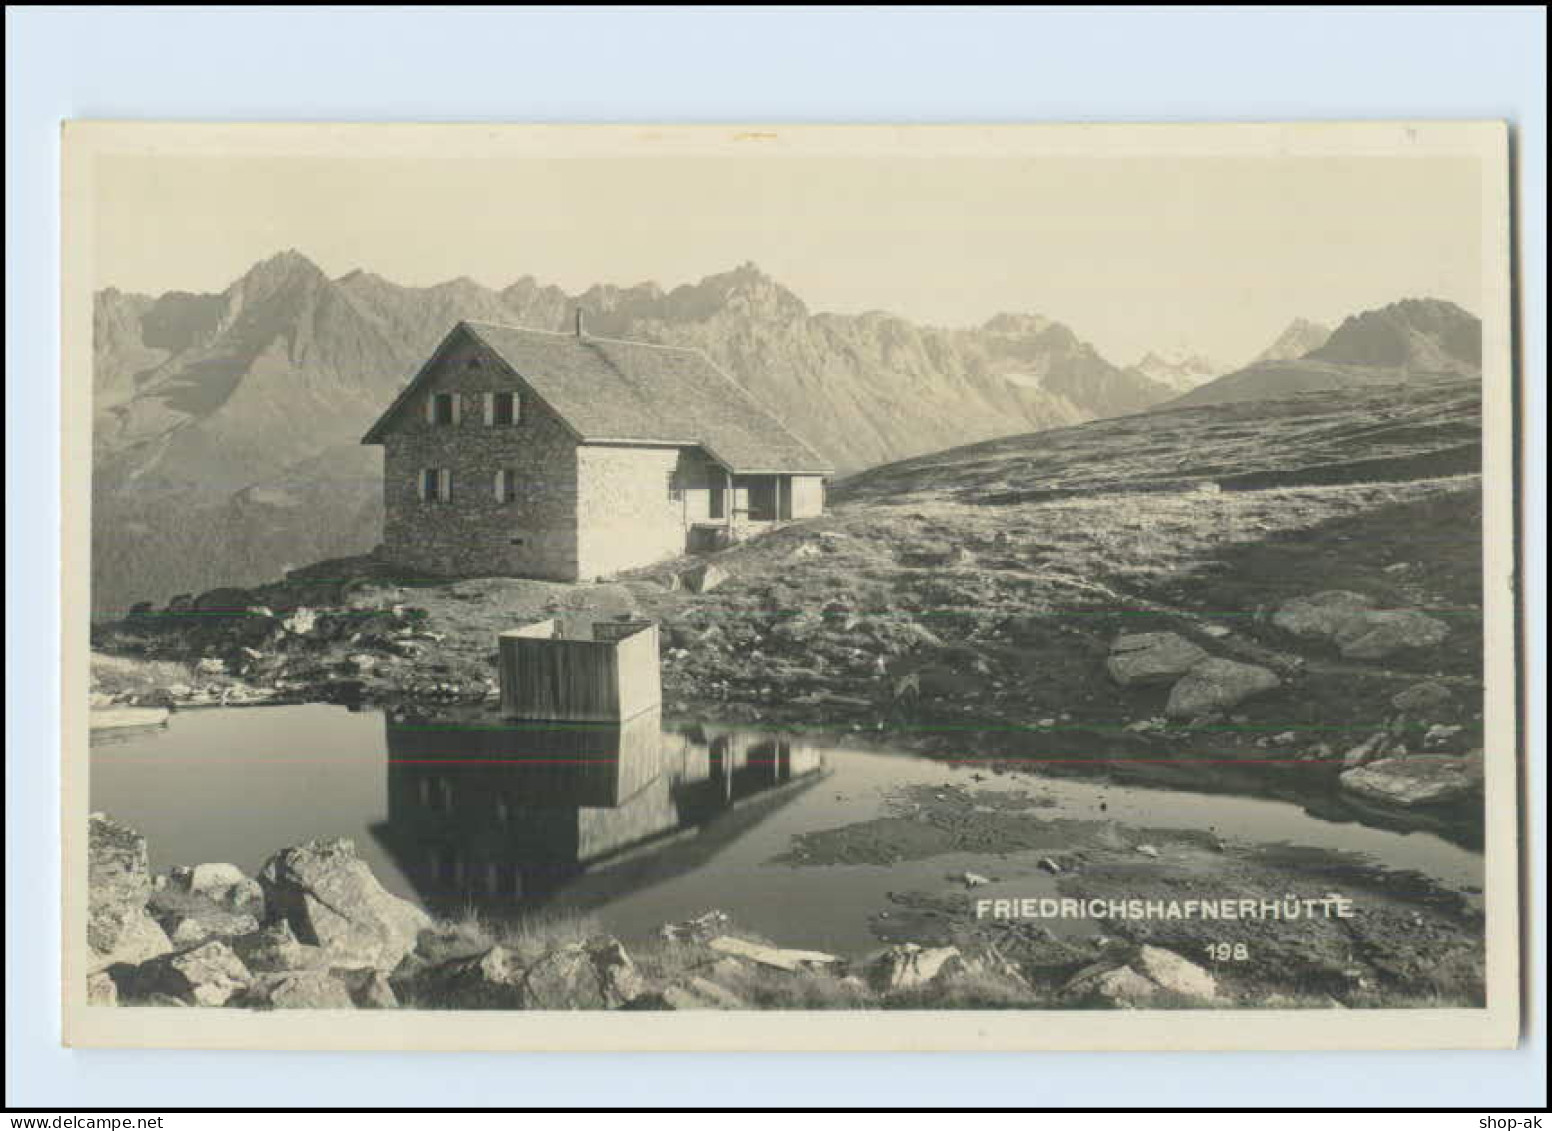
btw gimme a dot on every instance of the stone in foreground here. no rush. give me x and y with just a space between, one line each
1218 685
209 974
119 929
330 898
909 966
1143 658
769 955
1420 779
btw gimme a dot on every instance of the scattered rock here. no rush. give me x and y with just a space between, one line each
196 926
1322 614
769 955
1422 779
1424 698
1151 657
909 966
101 989
1217 685
1360 631
1366 751
1119 986
691 994
208 974
974 880
331 899
275 948
618 977
1440 735
208 879
301 621
299 989
1174 973
703 928
1049 865
1385 632
490 980
1148 850
119 929
370 989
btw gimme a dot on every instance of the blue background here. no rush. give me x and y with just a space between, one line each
719 65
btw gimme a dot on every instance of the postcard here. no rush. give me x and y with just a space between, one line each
818 587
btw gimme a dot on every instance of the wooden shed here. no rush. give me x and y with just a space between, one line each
609 676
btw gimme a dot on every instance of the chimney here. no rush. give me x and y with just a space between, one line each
581 324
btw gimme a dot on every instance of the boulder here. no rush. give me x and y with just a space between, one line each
299 989
703 928
119 929
1424 698
187 928
691 994
208 974
1144 658
909 966
1360 631
208 879
369 989
1217 685
275 948
774 957
490 980
1379 634
1321 615
1170 971
598 974
1367 751
617 974
330 898
565 978
1422 779
703 578
101 989
300 621
1118 986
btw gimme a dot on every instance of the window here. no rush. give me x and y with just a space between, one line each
506 485
442 408
435 485
502 410
717 504
675 491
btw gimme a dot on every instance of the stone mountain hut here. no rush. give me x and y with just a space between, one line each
567 457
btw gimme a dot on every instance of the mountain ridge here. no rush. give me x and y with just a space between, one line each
203 401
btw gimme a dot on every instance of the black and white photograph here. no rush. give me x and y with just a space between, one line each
775 586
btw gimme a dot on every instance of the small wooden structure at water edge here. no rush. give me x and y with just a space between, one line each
610 676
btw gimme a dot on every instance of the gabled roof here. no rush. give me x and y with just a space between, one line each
635 392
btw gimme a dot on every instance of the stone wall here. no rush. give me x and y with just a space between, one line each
475 534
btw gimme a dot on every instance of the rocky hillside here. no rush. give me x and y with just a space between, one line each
1411 340
226 425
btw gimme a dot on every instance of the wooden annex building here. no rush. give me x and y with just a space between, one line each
567 457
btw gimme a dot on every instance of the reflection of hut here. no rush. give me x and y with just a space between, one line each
499 814
607 677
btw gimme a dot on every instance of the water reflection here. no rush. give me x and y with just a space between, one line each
497 814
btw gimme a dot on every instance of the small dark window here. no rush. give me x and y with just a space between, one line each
503 410
675 491
442 408
715 508
506 485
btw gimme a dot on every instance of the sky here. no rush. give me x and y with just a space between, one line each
1213 254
